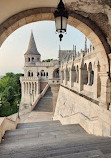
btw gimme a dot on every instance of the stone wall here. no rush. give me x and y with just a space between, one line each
72 108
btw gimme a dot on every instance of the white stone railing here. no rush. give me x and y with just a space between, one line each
39 97
29 78
8 123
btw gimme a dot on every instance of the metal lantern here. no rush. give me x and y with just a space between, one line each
61 19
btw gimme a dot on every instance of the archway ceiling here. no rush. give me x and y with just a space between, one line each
99 11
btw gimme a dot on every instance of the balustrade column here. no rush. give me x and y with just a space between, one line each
38 86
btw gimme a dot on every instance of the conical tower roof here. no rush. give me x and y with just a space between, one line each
32 49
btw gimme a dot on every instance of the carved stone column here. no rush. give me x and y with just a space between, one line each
105 90
55 90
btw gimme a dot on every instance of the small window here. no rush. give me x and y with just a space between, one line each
28 59
38 74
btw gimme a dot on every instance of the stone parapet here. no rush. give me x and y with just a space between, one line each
79 110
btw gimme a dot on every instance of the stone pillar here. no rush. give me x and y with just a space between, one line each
80 80
22 89
105 90
71 78
65 78
55 90
30 87
62 76
89 77
95 82
38 86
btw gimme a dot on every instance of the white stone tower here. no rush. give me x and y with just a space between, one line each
32 55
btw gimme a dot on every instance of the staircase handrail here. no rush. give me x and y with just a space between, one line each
94 119
40 96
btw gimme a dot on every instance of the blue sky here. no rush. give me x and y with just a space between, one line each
47 41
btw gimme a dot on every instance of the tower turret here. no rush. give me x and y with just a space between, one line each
32 55
85 45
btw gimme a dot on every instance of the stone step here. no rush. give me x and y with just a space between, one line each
37 124
87 154
56 148
47 131
52 151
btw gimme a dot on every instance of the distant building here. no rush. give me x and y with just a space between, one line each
37 74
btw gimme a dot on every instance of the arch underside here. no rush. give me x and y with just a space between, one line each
87 27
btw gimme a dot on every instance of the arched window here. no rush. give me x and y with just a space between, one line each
32 59
32 74
44 73
38 74
47 74
28 73
56 73
91 74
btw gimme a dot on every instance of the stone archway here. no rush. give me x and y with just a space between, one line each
81 23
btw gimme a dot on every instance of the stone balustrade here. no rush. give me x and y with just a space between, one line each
54 81
8 123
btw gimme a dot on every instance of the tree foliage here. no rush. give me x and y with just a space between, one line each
10 92
47 60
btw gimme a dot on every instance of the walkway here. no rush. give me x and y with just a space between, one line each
43 110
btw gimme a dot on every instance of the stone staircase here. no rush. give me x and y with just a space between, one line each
51 139
43 111
45 103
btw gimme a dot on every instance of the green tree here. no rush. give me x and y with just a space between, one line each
47 60
10 92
